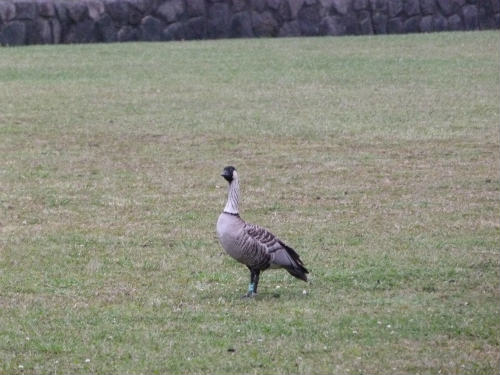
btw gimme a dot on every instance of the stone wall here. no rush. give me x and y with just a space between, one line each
83 21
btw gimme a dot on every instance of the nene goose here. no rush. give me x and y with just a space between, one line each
250 244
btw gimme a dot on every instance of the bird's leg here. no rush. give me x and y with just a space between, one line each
252 287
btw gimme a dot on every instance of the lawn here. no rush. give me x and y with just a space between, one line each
376 158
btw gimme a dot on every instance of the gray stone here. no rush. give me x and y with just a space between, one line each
309 20
310 2
95 9
118 11
412 7
333 25
239 5
274 4
495 5
218 23
455 23
440 22
379 21
81 32
105 29
341 6
128 34
360 4
412 24
46 8
446 7
471 17
395 26
259 5
77 11
289 29
295 6
394 7
26 10
497 21
13 34
428 6
151 29
264 24
175 31
378 5
55 26
195 8
7 11
486 20
61 12
241 25
170 11
351 24
140 5
365 23
427 24
42 32
196 28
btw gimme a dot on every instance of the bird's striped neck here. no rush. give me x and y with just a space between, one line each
233 197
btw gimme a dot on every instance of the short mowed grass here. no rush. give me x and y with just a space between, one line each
376 158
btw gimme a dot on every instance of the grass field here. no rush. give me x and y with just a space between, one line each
376 158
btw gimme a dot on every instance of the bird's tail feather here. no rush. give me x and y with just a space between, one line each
296 267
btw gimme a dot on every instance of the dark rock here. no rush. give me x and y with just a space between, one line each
117 10
379 21
42 32
471 17
360 4
105 29
378 5
274 4
412 7
495 5
171 10
395 26
394 7
95 9
455 23
7 11
196 28
128 34
486 20
341 6
309 20
351 24
412 24
264 24
241 25
139 5
427 24
259 5
440 22
310 2
77 11
195 8
61 12
295 6
55 26
151 29
13 34
134 16
365 23
219 18
497 21
26 10
446 7
428 7
333 25
239 5
174 31
291 28
81 32
46 8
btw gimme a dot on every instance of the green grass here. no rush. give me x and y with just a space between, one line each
376 158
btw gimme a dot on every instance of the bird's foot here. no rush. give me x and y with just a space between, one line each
250 294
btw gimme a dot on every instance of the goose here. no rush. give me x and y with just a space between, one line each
254 246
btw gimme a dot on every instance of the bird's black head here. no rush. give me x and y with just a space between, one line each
227 173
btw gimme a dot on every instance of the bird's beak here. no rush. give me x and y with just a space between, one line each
227 176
